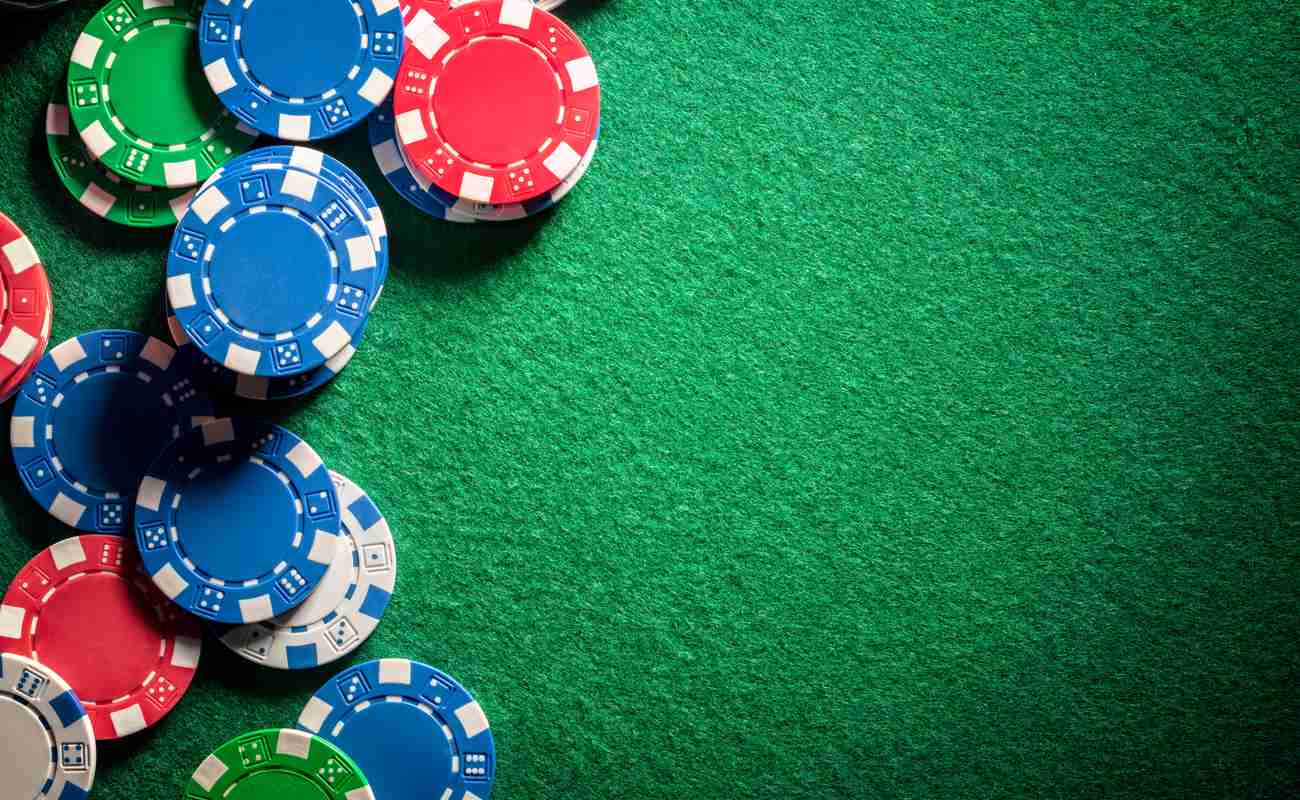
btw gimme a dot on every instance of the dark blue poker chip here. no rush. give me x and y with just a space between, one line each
301 71
413 730
92 417
237 520
272 272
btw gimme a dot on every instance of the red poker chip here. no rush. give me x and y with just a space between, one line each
496 100
10 387
24 300
84 608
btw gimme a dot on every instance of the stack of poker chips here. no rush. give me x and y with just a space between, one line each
479 128
274 270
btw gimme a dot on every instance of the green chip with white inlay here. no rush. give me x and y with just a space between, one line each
278 764
138 97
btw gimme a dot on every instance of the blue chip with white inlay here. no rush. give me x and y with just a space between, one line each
324 167
413 730
347 605
93 415
273 272
237 521
301 72
48 746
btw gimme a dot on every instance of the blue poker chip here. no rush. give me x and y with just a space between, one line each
414 731
301 71
272 272
237 521
92 417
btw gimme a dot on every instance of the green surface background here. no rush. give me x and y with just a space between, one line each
905 406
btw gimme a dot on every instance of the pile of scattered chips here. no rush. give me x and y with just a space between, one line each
478 110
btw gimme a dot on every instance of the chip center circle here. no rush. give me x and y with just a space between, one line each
276 782
104 662
276 34
157 88
421 748
107 430
237 521
25 756
495 101
263 296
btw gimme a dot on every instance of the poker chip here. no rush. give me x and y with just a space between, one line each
278 764
412 729
25 307
325 168
102 192
10 387
496 101
136 98
237 521
347 605
301 72
286 387
93 416
272 273
49 747
84 608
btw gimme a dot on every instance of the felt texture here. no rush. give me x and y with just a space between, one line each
904 406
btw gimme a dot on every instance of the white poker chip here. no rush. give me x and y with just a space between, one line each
345 608
47 745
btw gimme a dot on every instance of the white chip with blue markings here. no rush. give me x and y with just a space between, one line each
347 605
47 745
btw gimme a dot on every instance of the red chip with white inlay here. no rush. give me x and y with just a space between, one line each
496 100
84 608
25 299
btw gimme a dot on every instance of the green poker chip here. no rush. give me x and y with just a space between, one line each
102 192
139 99
278 764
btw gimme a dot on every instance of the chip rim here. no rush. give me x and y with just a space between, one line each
27 277
178 576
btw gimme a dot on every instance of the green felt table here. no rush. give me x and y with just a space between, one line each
905 406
